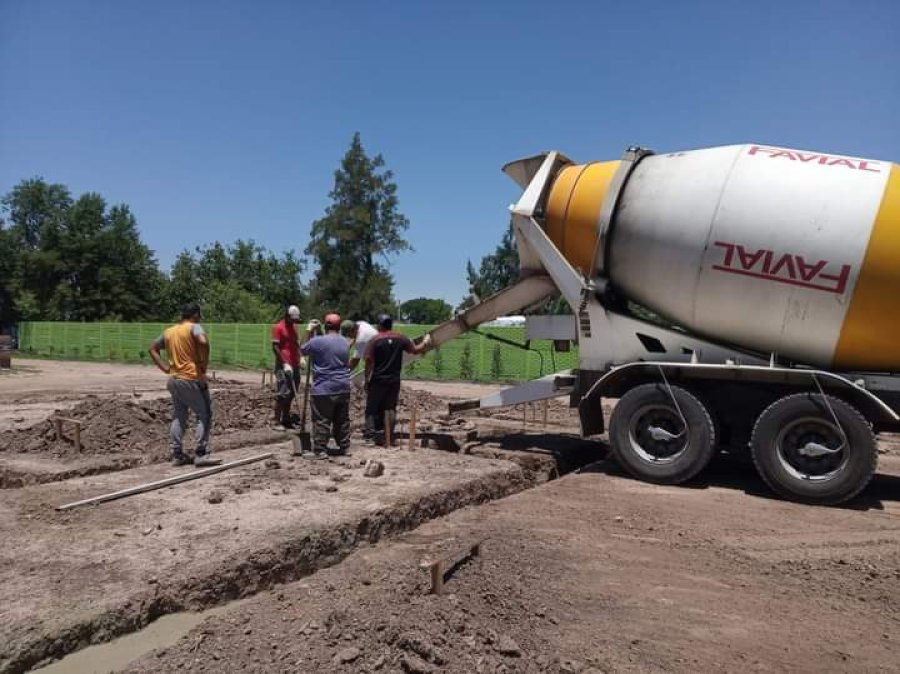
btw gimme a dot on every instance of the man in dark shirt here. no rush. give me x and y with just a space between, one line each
384 363
330 399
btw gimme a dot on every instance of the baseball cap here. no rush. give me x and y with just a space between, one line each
385 321
190 309
293 312
333 320
347 327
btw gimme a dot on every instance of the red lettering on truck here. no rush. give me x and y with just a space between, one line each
787 268
822 159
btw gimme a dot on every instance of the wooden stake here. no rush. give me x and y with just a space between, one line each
412 428
388 429
436 566
159 484
545 412
77 436
57 422
437 577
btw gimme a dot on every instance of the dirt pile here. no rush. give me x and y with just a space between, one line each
113 425
124 424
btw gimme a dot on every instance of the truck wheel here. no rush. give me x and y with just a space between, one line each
803 455
656 443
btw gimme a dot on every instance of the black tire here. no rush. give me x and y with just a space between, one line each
670 461
785 430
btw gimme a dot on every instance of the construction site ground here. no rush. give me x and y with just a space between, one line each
590 572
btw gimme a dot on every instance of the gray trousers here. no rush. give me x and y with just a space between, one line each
331 416
189 396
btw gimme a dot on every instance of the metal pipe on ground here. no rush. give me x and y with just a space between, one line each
159 484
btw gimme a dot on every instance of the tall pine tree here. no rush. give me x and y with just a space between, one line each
353 243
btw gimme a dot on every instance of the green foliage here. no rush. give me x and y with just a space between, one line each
228 302
496 271
466 366
73 260
499 270
353 243
496 363
438 362
80 260
242 282
425 311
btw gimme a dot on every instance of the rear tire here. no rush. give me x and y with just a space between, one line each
791 442
650 440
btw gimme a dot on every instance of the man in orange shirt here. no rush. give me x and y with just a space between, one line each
187 348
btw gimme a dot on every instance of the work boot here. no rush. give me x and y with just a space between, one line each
206 460
180 459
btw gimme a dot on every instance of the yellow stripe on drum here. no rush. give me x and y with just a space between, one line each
870 335
558 203
573 210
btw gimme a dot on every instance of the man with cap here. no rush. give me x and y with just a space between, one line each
187 348
359 334
330 399
384 363
286 347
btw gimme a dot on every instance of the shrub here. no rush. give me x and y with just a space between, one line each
496 363
466 366
438 363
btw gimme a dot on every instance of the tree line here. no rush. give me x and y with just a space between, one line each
68 258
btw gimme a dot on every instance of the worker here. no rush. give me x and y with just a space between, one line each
384 363
187 349
359 333
330 399
286 347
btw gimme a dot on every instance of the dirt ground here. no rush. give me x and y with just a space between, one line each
592 572
125 426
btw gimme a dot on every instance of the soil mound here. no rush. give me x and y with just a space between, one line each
120 424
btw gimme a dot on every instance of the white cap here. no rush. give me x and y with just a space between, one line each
293 312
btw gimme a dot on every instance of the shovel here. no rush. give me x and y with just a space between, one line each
302 440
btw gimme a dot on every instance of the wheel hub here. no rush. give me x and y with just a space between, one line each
811 449
657 434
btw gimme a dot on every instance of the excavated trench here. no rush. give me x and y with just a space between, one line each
530 460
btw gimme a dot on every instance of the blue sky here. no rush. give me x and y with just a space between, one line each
225 120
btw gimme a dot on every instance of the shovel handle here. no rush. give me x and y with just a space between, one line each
305 394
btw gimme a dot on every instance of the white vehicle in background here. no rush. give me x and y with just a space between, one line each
505 322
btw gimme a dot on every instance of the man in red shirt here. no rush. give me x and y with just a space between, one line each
286 347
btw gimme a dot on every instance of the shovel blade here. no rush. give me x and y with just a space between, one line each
302 442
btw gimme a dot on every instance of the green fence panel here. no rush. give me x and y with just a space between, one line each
471 356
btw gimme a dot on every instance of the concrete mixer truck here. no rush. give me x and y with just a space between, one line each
775 277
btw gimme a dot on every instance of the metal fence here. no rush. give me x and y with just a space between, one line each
469 357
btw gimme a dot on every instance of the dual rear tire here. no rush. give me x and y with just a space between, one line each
806 447
814 448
